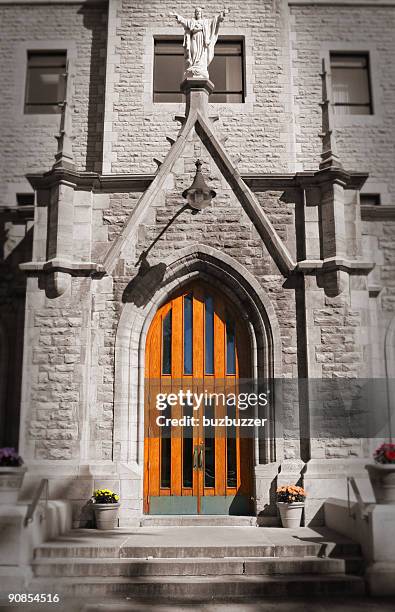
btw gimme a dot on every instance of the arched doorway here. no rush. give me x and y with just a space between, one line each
197 342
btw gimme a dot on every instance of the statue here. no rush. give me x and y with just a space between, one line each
199 41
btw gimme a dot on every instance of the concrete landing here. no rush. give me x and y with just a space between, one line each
180 541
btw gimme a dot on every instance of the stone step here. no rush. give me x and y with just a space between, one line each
78 567
204 587
207 520
303 549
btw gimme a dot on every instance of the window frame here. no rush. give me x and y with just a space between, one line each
47 52
20 70
355 121
225 39
355 54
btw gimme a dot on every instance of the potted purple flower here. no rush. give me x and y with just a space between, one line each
12 472
382 473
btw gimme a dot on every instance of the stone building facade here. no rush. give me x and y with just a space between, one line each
288 238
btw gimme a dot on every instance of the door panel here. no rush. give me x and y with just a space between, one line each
198 342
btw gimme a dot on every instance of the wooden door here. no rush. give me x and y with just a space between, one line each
197 342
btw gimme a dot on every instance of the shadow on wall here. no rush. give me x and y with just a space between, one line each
93 20
145 284
12 319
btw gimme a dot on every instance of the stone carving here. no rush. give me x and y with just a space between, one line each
199 41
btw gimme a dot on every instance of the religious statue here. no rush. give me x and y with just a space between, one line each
199 41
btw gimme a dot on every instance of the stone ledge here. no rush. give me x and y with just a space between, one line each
63 265
334 263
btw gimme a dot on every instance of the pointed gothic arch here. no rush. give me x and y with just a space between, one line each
142 300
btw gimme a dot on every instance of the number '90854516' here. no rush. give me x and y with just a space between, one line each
33 598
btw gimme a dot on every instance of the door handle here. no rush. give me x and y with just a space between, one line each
195 457
200 458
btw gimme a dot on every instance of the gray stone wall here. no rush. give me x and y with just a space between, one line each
28 141
260 132
364 143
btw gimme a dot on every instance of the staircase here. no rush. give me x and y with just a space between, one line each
196 563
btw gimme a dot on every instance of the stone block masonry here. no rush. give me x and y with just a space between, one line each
28 140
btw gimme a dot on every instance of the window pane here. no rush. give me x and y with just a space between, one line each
349 61
350 86
25 199
165 472
352 110
209 449
165 451
168 73
45 82
226 72
209 335
228 48
188 333
187 450
370 199
230 347
218 98
168 46
166 343
45 86
47 59
231 452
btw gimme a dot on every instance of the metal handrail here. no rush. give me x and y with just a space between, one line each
43 486
361 504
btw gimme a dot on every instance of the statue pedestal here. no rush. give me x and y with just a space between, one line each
197 92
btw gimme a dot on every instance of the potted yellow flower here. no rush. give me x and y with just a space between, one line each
106 507
290 503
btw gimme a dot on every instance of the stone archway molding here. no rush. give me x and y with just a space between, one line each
190 263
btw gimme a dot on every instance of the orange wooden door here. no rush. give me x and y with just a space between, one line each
197 344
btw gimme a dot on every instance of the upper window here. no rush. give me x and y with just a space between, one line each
351 84
45 81
226 71
370 199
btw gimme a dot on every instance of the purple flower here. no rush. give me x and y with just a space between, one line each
9 457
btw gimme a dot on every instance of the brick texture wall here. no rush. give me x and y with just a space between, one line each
259 135
26 144
368 146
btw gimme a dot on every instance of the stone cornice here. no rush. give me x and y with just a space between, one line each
353 266
79 268
140 182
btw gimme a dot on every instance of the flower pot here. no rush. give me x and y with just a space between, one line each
382 477
291 514
11 479
106 515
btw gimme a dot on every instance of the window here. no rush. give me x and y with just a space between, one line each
45 81
226 71
351 84
370 199
25 199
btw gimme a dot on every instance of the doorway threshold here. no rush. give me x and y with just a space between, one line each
203 520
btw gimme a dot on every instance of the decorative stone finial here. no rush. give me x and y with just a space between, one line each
200 36
329 157
64 157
